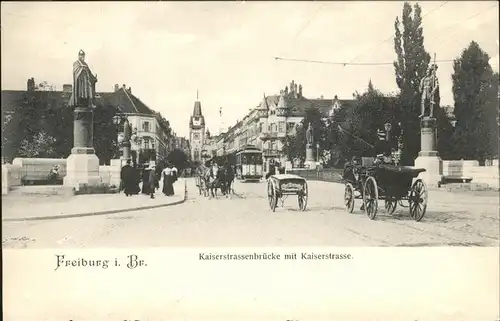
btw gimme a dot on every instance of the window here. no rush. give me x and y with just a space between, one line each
273 128
145 126
273 146
196 136
146 144
290 126
281 126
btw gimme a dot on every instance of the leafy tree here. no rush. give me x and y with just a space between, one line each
22 125
371 111
178 158
105 133
410 67
38 146
475 91
295 145
445 131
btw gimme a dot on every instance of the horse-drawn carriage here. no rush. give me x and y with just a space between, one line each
390 183
208 180
282 185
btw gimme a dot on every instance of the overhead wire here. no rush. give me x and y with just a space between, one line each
352 63
392 36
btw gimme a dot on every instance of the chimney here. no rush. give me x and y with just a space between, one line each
295 91
300 90
321 97
67 88
117 87
130 90
31 84
292 87
124 87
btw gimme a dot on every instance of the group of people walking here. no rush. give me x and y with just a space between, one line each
151 176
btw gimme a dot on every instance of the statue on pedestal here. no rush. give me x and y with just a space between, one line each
83 83
309 136
429 88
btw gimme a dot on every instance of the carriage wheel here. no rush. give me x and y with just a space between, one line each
271 196
370 197
303 198
418 200
390 206
349 198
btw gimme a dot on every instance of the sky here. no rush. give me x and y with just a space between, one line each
166 51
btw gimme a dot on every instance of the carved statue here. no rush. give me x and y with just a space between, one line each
83 83
309 135
429 86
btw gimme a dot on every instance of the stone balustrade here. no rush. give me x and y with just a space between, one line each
469 168
24 170
11 177
38 169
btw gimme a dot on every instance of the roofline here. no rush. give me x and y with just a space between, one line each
126 93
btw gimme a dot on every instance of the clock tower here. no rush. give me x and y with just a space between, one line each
196 131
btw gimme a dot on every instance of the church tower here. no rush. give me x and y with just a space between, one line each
196 131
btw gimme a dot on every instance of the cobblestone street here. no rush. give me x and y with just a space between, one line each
452 219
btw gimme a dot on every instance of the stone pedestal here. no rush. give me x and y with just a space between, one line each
310 161
428 157
82 165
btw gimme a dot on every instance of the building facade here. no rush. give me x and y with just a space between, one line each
196 132
277 117
151 131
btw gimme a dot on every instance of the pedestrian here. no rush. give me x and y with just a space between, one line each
127 178
145 180
152 181
136 180
167 181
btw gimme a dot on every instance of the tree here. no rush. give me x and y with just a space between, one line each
371 111
178 158
295 145
410 67
41 145
105 133
475 91
445 131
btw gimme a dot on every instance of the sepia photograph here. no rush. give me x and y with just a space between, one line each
242 124
230 133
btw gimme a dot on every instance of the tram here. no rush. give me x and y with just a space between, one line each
249 163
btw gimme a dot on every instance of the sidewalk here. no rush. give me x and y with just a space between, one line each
47 208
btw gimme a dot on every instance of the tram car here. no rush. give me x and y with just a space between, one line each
249 163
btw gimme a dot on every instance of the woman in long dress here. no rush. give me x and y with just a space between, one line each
167 181
174 176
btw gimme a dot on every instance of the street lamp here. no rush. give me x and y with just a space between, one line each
119 119
317 152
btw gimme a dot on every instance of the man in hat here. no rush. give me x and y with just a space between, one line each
152 181
428 88
128 179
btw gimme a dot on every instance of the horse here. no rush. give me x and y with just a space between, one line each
211 182
229 179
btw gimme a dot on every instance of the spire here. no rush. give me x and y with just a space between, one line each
263 105
197 96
